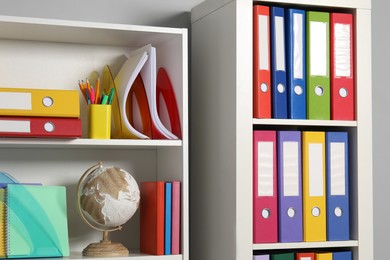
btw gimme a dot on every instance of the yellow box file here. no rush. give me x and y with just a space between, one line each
314 192
324 256
39 102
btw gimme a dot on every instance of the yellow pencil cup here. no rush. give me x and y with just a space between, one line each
99 121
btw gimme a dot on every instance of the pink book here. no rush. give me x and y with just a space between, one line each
175 250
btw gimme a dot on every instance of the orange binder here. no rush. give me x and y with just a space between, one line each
152 217
39 102
261 62
313 188
342 69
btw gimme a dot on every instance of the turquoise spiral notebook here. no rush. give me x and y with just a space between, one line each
36 221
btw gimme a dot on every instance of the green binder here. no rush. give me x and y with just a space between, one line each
283 256
36 221
318 67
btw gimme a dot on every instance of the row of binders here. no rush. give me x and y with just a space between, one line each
300 186
39 113
160 217
338 255
33 220
303 64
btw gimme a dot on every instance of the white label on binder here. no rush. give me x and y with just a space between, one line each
15 100
316 170
265 169
263 47
342 49
290 169
318 49
337 168
13 126
279 43
298 45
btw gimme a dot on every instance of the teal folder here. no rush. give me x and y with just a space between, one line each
36 221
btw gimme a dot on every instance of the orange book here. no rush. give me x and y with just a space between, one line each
152 218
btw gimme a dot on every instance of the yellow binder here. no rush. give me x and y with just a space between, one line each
314 196
39 102
324 256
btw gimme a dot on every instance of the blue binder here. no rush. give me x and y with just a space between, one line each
296 63
168 218
342 255
337 192
278 63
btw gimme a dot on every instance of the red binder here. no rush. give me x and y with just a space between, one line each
261 62
342 67
305 256
265 197
152 217
51 127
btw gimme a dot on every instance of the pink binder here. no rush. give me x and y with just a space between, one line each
175 218
265 197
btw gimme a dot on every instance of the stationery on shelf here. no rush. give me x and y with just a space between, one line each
278 63
283 256
152 217
168 218
342 66
337 176
265 197
342 255
21 126
261 257
324 256
39 102
36 221
305 256
290 186
296 63
176 206
313 186
3 210
261 62
318 78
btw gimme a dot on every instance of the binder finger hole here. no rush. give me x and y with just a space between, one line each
281 88
263 87
47 101
298 90
265 213
49 127
315 211
338 212
291 212
319 90
343 92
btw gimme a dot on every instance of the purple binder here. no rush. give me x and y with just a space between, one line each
261 257
290 186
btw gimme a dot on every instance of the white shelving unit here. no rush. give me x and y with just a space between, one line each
222 125
55 54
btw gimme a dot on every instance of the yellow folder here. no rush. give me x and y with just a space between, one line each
314 192
324 256
39 102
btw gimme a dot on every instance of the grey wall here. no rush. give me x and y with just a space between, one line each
122 11
381 126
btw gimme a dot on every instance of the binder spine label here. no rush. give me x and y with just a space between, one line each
15 100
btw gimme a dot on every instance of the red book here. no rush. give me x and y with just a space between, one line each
342 83
53 127
261 62
265 196
152 217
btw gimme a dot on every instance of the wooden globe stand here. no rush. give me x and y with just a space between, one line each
105 248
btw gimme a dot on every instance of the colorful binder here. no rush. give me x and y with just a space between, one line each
261 62
152 217
40 127
318 75
305 256
39 102
3 227
168 218
283 256
342 67
342 255
278 63
337 184
324 256
265 196
290 186
261 257
296 63
176 217
314 190
36 221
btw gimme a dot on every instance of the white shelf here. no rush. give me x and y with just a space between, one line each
306 245
293 122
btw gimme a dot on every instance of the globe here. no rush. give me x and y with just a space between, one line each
107 199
